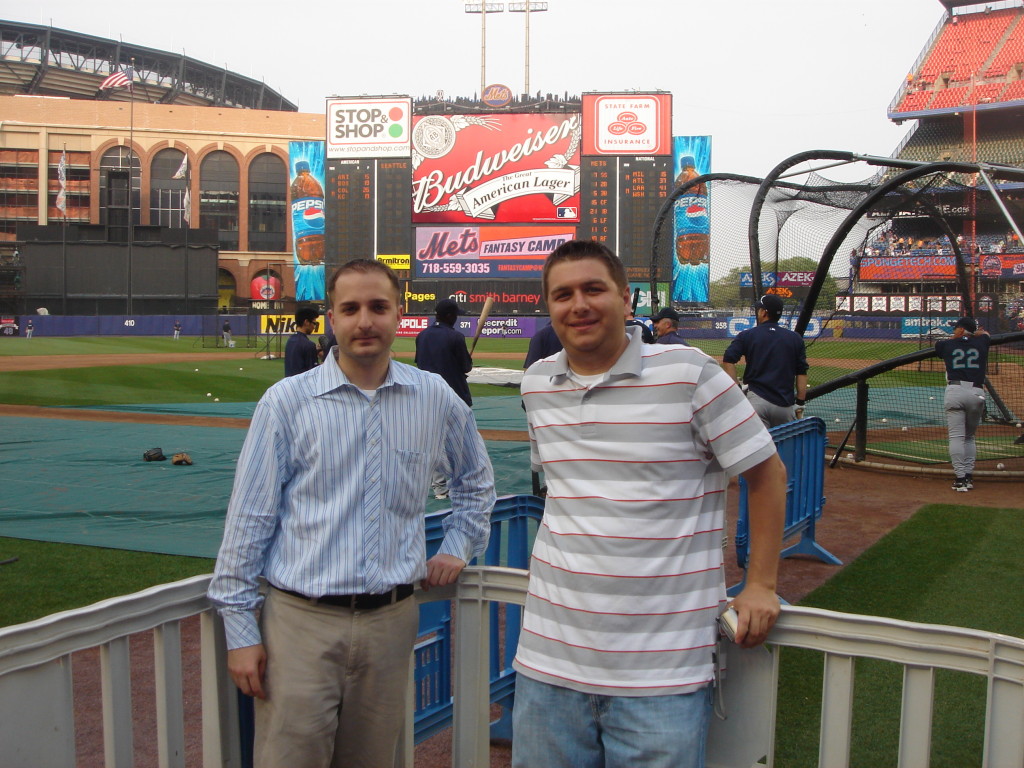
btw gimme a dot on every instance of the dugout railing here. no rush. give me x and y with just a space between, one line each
37 713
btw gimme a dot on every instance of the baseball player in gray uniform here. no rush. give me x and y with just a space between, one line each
966 357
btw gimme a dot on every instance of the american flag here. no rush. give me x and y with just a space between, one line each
119 80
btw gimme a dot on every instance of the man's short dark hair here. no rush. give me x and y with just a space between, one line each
576 250
364 266
305 314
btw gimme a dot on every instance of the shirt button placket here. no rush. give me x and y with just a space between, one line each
373 499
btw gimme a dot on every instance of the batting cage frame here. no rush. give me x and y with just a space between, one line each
875 374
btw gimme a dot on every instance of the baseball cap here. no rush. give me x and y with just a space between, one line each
967 323
666 314
771 303
447 307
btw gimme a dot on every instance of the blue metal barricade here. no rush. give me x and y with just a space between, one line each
801 446
513 526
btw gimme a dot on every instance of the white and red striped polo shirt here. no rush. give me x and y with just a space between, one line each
626 577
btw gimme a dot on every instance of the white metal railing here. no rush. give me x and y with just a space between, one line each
36 711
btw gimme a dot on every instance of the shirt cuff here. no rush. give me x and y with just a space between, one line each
240 629
458 544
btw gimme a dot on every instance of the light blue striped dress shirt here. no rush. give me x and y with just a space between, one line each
331 489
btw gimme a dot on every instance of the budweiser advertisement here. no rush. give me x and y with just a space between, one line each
627 124
496 168
368 127
487 251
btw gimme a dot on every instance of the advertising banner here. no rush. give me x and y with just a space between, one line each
286 324
306 160
736 325
920 267
502 252
692 221
1004 265
510 297
643 306
368 127
898 304
627 124
495 327
912 327
496 168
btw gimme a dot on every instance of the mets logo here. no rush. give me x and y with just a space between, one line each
496 95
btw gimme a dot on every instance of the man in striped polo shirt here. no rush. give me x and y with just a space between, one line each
615 658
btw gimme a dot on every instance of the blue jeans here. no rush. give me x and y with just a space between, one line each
556 727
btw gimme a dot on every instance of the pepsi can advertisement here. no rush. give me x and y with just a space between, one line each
692 228
308 222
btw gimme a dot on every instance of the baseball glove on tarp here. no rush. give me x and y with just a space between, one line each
181 458
154 454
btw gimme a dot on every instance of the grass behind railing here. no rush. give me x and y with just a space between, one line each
946 565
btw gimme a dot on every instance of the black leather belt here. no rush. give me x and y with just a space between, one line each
364 602
957 381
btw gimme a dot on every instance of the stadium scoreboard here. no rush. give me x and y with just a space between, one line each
369 207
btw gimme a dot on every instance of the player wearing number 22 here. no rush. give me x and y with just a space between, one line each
966 359
637 443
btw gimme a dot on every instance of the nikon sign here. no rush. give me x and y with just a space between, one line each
285 324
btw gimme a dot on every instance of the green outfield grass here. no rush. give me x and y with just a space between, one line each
946 565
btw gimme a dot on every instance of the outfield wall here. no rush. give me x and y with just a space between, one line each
722 326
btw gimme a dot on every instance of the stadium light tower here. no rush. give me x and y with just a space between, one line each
526 9
483 8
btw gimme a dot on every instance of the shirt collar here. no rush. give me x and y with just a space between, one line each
630 362
330 376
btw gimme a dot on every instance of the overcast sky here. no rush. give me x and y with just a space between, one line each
765 78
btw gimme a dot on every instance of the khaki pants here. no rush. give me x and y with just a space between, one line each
336 683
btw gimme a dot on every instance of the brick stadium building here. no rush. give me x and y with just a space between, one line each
123 148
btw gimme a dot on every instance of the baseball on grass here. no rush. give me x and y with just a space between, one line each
209 394
197 370
216 399
1000 465
241 369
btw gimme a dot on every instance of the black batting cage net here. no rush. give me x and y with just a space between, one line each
873 271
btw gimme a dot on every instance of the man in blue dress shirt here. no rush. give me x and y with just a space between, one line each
327 506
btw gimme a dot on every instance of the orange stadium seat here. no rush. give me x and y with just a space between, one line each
1014 91
914 101
965 44
985 93
1011 52
950 97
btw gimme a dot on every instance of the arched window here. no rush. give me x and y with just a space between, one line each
218 197
119 191
166 193
268 186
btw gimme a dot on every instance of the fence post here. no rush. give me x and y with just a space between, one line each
861 441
